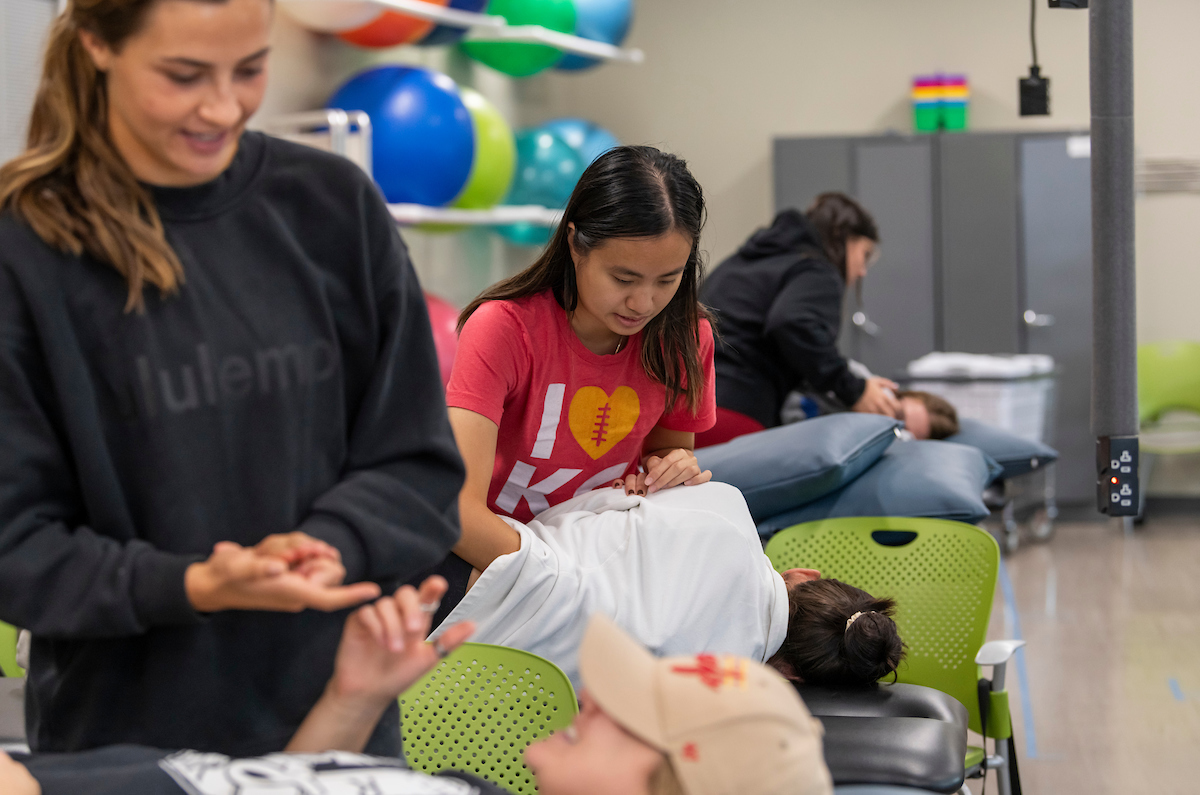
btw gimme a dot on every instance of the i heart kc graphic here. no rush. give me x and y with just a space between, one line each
598 420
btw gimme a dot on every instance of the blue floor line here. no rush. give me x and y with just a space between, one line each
1010 601
1176 690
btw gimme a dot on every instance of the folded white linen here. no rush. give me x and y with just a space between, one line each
681 570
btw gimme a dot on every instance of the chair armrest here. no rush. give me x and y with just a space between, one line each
997 652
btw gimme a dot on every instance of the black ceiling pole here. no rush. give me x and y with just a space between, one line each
1114 314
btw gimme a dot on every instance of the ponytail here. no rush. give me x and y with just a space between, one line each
71 186
840 636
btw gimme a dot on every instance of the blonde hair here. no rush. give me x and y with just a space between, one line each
71 185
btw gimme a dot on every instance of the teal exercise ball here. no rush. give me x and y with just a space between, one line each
588 139
599 20
547 170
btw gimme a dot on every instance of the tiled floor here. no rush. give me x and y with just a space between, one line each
1109 699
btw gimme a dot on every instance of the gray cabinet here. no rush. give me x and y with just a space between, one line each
986 248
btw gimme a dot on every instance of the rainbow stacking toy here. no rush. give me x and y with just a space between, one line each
940 102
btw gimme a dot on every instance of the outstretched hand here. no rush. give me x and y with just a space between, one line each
382 653
290 575
383 649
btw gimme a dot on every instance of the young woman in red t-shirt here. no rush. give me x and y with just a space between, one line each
594 366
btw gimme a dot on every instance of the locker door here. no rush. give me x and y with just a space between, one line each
894 182
979 296
805 167
1057 224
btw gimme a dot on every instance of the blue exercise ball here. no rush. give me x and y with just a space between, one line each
547 170
423 142
588 139
599 20
444 34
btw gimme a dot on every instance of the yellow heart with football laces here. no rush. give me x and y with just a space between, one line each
598 421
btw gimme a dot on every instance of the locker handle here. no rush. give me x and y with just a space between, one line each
861 320
1038 321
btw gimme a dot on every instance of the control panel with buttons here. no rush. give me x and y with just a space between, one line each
1117 465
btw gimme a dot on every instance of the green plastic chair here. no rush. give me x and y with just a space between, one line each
480 708
8 651
1168 380
943 577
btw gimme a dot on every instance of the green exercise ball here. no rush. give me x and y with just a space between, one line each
495 155
523 60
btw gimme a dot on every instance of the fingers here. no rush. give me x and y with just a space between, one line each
678 466
321 597
296 546
409 605
430 594
369 616
456 635
322 571
236 562
393 624
703 477
635 483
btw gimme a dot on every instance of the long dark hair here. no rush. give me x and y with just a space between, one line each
838 218
823 650
629 192
70 184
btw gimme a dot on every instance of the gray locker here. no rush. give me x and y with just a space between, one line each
1057 316
979 244
986 248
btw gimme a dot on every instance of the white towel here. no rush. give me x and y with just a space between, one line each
681 570
975 365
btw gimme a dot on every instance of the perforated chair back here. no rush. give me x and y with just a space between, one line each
480 708
941 574
8 651
1168 378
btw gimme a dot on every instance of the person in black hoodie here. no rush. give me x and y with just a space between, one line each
778 303
219 395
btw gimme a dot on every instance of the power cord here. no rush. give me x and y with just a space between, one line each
1034 91
1033 30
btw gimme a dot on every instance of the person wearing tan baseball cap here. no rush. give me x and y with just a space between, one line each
698 725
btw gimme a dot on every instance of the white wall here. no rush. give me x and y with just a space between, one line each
722 78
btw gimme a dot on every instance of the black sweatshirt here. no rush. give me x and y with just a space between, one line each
778 302
292 384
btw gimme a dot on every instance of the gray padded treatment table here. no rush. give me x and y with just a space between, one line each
909 752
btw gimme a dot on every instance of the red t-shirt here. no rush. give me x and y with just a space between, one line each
569 420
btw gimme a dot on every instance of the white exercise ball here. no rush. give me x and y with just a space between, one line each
332 16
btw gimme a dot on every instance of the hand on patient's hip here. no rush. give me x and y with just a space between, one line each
676 468
242 578
383 649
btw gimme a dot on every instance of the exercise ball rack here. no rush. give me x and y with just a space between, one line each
489 27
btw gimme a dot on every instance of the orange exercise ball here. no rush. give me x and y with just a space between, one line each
391 29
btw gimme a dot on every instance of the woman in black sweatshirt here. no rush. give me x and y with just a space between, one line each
219 397
778 303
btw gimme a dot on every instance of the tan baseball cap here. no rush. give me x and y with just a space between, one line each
729 725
